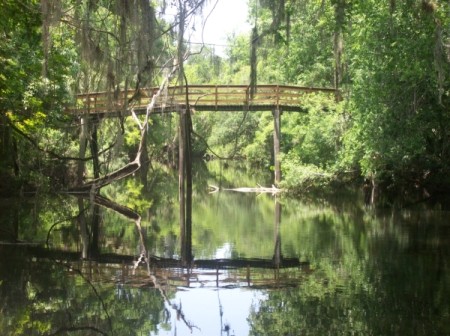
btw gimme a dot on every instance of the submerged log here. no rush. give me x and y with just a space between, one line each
259 189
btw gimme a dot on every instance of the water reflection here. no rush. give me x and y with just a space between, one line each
370 271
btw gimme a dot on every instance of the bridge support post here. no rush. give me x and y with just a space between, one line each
188 251
94 146
83 146
185 185
276 145
181 179
277 256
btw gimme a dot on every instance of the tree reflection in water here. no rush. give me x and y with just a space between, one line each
370 272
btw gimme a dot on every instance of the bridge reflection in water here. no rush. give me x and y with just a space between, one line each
145 270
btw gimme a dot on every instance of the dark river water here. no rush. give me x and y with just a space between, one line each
262 265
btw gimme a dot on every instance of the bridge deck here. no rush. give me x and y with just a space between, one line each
198 97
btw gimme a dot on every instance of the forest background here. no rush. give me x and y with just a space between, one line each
390 61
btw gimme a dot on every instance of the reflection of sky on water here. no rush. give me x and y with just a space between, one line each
202 307
223 252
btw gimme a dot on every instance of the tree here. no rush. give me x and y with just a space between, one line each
31 97
76 46
399 105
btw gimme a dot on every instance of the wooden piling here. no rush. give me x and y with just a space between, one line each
188 167
185 185
181 178
277 256
276 145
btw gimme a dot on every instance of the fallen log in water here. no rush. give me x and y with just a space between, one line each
259 189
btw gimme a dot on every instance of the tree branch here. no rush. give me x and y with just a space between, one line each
49 152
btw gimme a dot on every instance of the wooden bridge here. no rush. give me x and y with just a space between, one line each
186 99
199 98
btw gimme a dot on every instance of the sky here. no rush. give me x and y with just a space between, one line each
202 307
223 17
220 19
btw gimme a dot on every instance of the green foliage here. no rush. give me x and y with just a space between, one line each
390 59
53 294
393 65
24 87
316 135
32 98
258 151
397 103
231 132
237 70
302 177
130 195
359 282
204 68
20 53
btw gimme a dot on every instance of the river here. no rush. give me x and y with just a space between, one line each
262 264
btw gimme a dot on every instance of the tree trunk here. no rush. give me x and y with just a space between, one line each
82 152
94 250
145 165
82 222
94 148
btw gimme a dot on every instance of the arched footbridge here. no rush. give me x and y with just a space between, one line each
219 98
199 97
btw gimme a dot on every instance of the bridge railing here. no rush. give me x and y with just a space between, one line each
201 97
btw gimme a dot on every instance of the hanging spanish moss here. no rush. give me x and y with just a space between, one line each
440 60
146 28
338 41
115 40
185 9
392 6
181 28
51 13
277 8
90 46
253 62
280 12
